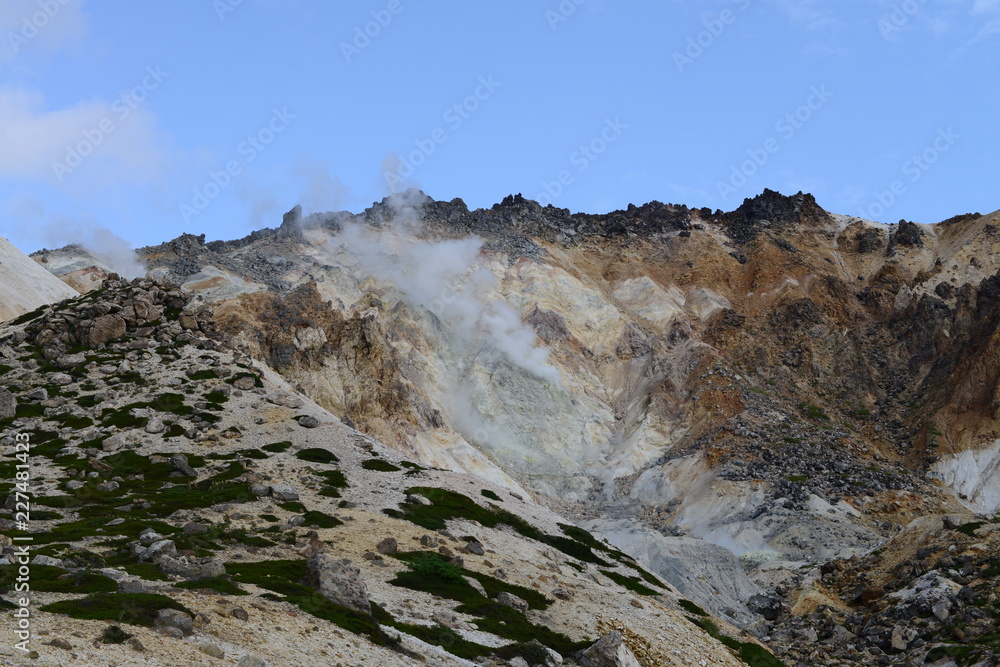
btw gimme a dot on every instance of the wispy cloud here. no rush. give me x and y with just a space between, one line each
29 26
120 142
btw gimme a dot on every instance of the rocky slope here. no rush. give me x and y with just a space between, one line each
189 507
736 398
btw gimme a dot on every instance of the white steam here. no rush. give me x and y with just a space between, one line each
448 278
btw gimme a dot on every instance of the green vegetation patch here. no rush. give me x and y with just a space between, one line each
277 447
486 493
379 465
284 576
314 518
631 583
691 607
752 654
131 608
113 634
433 569
49 579
316 455
447 505
217 584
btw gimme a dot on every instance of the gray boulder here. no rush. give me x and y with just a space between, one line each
338 581
8 404
192 569
609 651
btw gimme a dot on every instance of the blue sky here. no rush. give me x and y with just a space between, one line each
215 116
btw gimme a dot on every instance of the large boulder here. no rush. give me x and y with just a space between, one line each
102 329
192 569
8 404
609 651
338 581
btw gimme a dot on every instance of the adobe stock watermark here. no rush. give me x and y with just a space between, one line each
704 39
121 108
561 13
247 150
35 23
891 23
364 35
786 127
223 7
581 159
454 117
913 169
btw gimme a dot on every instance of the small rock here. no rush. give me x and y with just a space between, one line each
387 546
181 465
428 541
108 486
155 425
475 548
212 650
251 661
173 618
260 490
562 593
192 569
511 600
284 492
158 550
308 422
194 528
60 379
240 614
59 643
46 560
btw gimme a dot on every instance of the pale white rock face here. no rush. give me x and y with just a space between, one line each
703 572
25 285
589 317
703 303
974 473
650 301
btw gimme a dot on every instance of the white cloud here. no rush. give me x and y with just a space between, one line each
99 141
29 26
985 6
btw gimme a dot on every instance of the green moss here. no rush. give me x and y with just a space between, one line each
217 584
4 369
797 478
447 505
284 576
691 607
72 421
216 397
48 579
317 455
29 410
206 374
269 517
174 431
277 447
379 465
433 567
971 527
113 634
131 608
749 652
28 317
253 454
486 493
511 624
335 481
293 506
631 583
322 520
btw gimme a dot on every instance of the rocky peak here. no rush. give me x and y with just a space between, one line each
772 210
